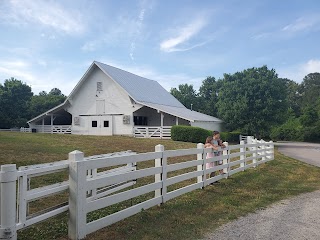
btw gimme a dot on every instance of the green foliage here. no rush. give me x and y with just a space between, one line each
43 102
208 96
18 105
187 96
291 130
312 134
310 90
14 99
189 134
231 137
253 100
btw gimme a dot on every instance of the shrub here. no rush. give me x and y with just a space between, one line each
289 131
311 134
189 134
199 135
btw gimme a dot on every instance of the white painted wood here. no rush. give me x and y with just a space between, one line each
120 197
214 179
109 180
243 155
183 165
236 170
232 147
46 191
226 158
8 178
183 177
115 217
183 190
120 160
234 163
77 196
22 198
254 154
43 169
201 167
158 163
183 152
236 154
42 217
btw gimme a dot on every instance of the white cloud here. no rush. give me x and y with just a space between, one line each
46 13
183 35
301 24
299 71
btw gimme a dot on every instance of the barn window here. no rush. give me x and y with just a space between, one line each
94 124
106 123
99 86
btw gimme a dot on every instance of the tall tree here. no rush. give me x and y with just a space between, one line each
186 95
252 101
310 89
14 99
208 94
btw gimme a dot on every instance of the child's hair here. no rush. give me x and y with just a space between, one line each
209 139
215 133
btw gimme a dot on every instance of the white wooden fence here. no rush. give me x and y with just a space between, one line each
90 190
152 132
60 129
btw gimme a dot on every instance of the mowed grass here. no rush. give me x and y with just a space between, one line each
189 216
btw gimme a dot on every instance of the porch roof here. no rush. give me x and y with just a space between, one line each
183 113
57 108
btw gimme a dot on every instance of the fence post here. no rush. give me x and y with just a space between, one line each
158 162
243 155
254 155
263 147
272 150
77 196
8 204
200 156
226 161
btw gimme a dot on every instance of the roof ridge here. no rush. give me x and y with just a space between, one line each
127 72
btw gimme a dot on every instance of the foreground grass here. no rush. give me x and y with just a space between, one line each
187 217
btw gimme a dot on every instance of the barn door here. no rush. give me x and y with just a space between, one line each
101 125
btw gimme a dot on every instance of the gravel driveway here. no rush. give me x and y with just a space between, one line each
296 218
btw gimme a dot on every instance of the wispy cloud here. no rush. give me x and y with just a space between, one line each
301 24
46 13
298 71
184 34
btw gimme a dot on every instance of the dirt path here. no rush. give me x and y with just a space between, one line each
296 218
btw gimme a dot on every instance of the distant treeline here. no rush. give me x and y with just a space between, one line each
18 104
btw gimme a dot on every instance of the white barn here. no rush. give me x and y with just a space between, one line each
111 101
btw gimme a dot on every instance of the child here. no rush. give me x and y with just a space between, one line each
217 143
209 144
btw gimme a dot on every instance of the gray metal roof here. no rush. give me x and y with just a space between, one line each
139 88
183 113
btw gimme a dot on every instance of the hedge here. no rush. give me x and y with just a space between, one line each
199 135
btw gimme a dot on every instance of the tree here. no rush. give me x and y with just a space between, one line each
310 89
43 102
252 101
186 95
14 99
208 94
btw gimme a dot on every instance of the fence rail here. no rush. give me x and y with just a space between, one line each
152 132
92 188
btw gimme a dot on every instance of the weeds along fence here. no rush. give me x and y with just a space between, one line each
100 187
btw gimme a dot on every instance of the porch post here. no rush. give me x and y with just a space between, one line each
162 116
42 125
177 121
51 123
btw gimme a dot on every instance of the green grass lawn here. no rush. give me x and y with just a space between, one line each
189 216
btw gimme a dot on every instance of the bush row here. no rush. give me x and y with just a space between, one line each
199 135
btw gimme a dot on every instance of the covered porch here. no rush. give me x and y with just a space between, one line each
153 123
58 121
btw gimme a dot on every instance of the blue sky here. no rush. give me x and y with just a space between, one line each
51 43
